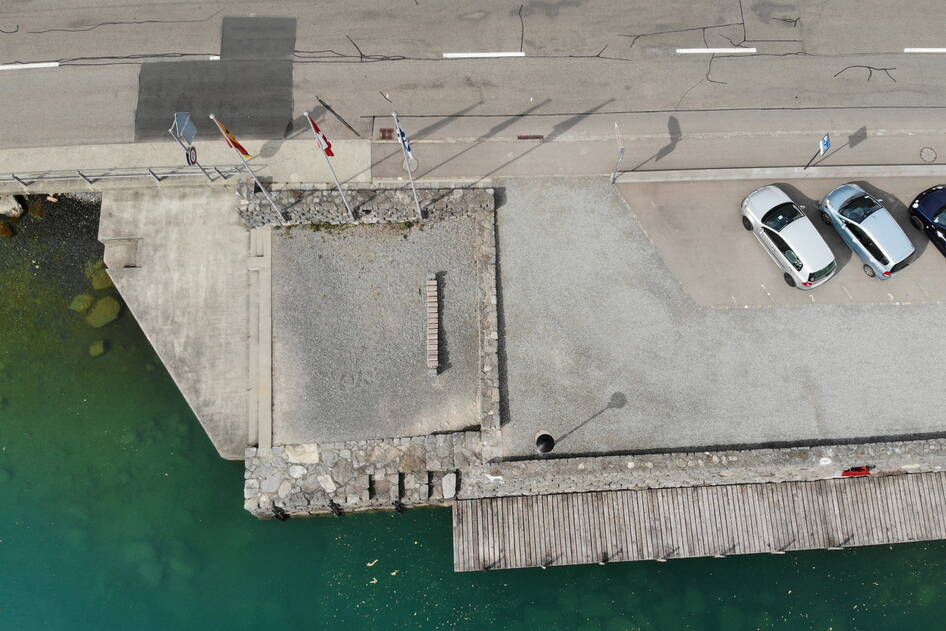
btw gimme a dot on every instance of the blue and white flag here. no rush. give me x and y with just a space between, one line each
402 137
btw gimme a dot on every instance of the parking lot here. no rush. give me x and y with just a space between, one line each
695 227
661 323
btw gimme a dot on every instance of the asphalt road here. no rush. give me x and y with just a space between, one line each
593 58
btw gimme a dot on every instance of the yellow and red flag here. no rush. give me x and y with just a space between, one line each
232 141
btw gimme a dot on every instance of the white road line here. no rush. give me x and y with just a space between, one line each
719 51
44 64
214 57
924 50
481 55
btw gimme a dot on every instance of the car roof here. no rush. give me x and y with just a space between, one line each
888 234
933 200
805 240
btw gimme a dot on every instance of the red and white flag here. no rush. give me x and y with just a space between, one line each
320 137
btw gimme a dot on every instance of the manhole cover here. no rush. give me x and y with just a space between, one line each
544 443
927 154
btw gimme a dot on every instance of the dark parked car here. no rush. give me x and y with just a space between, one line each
928 213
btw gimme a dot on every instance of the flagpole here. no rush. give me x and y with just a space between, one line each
332 169
250 171
407 163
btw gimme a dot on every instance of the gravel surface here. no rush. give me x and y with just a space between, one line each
349 332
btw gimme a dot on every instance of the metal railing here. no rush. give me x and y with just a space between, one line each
90 176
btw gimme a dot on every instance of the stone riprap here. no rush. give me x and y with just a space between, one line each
358 475
365 475
375 205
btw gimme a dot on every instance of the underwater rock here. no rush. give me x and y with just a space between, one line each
101 279
81 303
98 347
36 209
104 310
6 230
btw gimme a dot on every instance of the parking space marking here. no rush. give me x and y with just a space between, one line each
847 291
714 51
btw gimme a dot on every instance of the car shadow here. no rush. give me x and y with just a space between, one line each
901 215
812 208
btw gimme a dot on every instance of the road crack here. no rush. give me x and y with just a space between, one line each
870 71
82 29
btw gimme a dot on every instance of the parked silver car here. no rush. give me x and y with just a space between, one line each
789 237
868 229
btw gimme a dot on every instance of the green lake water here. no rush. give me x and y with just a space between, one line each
117 513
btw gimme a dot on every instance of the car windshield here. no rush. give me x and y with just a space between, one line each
781 216
814 277
940 218
860 208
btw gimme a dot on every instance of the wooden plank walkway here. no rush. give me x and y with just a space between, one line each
661 524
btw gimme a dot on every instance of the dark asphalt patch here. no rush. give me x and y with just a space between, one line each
253 98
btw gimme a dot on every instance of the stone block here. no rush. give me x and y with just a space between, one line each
303 454
297 471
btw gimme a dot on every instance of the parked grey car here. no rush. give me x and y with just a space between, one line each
789 237
868 229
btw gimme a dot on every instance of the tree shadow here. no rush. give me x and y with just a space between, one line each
812 208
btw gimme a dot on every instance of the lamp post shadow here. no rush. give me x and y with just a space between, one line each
617 401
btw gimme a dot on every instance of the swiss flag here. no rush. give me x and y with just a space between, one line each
320 137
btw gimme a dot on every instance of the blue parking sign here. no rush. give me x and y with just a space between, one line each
825 144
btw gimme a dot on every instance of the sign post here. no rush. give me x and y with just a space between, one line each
326 147
184 131
823 145
234 144
408 156
617 165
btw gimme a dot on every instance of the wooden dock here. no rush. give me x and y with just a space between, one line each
662 524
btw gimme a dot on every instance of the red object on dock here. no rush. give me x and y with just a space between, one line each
856 472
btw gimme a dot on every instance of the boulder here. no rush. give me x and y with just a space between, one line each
297 471
6 230
104 310
449 485
81 303
101 279
97 348
9 207
307 453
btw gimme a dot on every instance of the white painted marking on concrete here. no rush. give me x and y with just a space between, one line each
924 50
849 294
812 296
481 55
890 296
214 57
44 64
714 51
